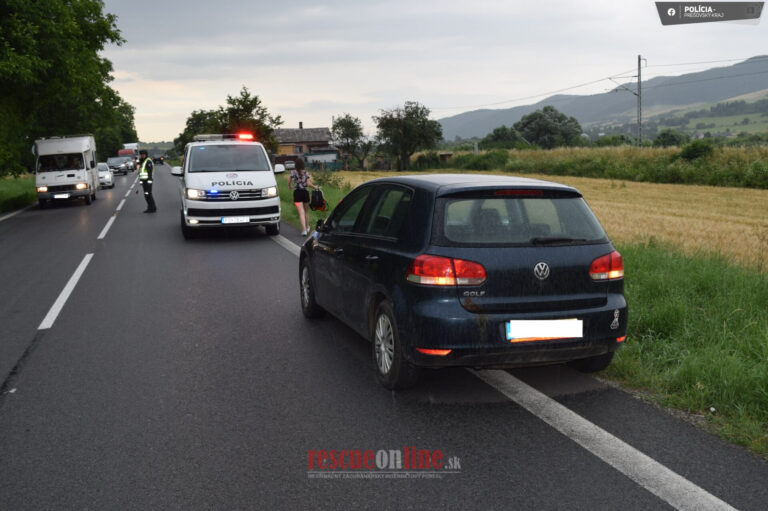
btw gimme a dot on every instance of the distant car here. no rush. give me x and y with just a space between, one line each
476 271
290 165
119 164
158 160
106 177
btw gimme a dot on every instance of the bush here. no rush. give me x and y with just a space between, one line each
697 149
485 161
427 160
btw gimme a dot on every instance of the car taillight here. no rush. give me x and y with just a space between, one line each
607 267
443 271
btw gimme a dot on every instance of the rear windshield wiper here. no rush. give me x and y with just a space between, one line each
555 240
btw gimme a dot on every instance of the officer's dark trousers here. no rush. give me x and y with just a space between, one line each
147 186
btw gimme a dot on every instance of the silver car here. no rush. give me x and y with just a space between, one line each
106 177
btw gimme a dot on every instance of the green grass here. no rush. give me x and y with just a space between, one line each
333 194
757 124
698 339
16 192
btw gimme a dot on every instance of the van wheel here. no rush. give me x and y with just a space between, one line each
273 229
88 199
592 364
43 203
392 369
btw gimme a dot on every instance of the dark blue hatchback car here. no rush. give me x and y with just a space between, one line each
467 270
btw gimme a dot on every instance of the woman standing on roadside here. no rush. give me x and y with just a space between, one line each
300 180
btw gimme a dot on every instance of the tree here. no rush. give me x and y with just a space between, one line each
347 133
403 131
243 113
53 80
549 128
501 138
670 137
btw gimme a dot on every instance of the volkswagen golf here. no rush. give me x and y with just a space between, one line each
464 270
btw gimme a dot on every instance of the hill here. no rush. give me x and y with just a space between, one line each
661 94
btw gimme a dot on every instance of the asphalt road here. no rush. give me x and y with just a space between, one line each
182 374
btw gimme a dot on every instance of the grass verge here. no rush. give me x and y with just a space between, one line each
16 192
698 332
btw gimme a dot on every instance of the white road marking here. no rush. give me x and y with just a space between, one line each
11 215
287 244
120 206
642 469
645 471
106 227
128 192
64 296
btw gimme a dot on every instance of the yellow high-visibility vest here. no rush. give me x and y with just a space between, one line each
143 174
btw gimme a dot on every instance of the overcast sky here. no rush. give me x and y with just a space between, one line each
309 61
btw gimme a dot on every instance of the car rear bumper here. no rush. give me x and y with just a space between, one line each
480 340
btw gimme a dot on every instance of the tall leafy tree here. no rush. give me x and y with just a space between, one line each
348 135
549 128
242 113
52 78
403 131
501 138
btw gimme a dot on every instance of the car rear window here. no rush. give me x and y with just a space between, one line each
515 220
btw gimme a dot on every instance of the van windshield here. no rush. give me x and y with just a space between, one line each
227 158
55 162
479 221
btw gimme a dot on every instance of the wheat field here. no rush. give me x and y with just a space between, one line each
730 222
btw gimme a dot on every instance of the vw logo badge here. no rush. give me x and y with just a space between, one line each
233 195
541 270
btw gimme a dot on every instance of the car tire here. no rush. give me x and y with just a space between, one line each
592 364
392 369
273 229
309 306
187 231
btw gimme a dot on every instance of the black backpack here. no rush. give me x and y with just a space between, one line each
317 201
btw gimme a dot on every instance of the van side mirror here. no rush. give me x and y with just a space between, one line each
279 168
176 171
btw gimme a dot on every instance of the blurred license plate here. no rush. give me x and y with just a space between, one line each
61 196
544 330
235 220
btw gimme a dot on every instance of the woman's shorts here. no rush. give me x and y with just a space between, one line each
300 195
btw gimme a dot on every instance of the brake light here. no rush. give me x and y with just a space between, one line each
443 271
607 267
528 193
245 136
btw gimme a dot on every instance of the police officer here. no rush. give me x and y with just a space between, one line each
145 176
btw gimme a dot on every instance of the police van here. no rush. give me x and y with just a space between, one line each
228 181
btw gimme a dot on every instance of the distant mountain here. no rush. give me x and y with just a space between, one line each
660 94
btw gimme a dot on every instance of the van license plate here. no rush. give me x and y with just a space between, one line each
544 330
61 196
235 219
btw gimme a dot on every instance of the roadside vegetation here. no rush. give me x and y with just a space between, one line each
16 192
697 283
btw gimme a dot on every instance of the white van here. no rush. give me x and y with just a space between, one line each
228 180
66 168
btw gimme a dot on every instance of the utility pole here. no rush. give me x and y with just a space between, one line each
639 105
639 94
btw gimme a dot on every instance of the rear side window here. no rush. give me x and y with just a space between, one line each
387 213
489 220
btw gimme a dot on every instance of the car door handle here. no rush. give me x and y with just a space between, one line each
371 258
338 251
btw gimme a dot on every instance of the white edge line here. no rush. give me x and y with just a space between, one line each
106 227
14 213
287 244
128 192
645 471
642 469
64 296
120 206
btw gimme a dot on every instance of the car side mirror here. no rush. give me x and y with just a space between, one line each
320 227
176 171
279 168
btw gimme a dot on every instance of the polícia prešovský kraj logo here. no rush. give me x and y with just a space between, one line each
676 13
